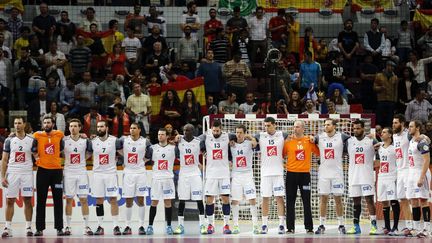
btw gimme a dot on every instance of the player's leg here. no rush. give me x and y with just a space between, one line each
27 186
168 196
168 215
372 213
291 195
235 205
152 215
68 213
323 214
340 213
184 193
226 210
196 187
114 215
98 192
57 194
129 195
416 214
42 185
396 213
426 215
129 203
305 192
211 189
141 214
405 207
112 193
254 213
386 214
85 214
279 193
70 189
355 193
9 212
237 192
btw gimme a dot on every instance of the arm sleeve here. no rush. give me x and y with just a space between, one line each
149 153
315 149
6 146
316 139
345 137
232 136
119 143
377 156
177 152
34 148
90 146
423 147
62 145
257 137
285 135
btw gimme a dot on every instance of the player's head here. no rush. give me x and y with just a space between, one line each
299 127
102 128
358 128
398 123
48 123
19 124
162 135
270 125
217 129
330 125
414 127
74 126
135 129
240 132
188 130
386 134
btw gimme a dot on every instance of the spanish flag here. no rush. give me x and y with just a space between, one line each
424 17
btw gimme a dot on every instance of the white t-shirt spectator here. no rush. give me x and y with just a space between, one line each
258 28
247 109
131 46
187 19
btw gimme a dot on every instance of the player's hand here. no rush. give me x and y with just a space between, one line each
420 182
177 138
12 134
5 183
312 139
377 146
92 136
232 143
83 135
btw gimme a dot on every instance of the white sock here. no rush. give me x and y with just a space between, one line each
141 215
86 218
282 220
211 219
181 220
254 213
322 220
426 226
201 219
28 224
416 225
235 211
409 224
341 220
372 217
68 220
8 224
100 220
115 220
226 219
128 216
265 220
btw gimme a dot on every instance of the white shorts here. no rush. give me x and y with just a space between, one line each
214 187
104 185
361 190
402 184
413 191
386 189
134 185
76 184
19 182
243 186
190 188
162 189
334 186
272 186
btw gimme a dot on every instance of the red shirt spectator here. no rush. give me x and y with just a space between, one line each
211 25
117 61
277 26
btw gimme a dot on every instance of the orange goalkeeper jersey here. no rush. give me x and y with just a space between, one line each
299 154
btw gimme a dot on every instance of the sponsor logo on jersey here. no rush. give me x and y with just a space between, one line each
27 189
162 164
271 151
225 187
399 154
359 159
300 154
132 158
167 192
249 192
111 189
196 193
367 188
189 159
142 189
391 192
278 188
103 159
49 148
19 157
411 161
329 154
384 167
337 186
217 154
82 187
75 159
241 161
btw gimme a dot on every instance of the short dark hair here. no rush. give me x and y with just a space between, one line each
93 24
400 117
236 9
281 11
64 11
76 120
190 4
348 20
375 20
111 23
162 129
212 9
135 124
389 129
119 106
359 122
417 123
2 20
333 121
270 119
217 123
91 9
47 117
241 126
20 118
105 122
403 22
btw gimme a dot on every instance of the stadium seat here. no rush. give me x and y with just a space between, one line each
356 108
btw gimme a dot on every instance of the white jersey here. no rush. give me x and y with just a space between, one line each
189 157
331 153
271 147
75 155
401 144
217 163
20 154
242 154
361 160
133 154
163 161
104 154
415 154
387 157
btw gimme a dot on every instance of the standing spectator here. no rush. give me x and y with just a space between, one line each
293 28
65 41
386 88
210 27
188 48
121 122
155 36
308 43
419 108
335 73
67 96
80 58
258 34
14 24
22 75
123 88
54 62
5 49
85 93
418 67
23 41
6 71
97 48
405 41
116 37
156 59
336 93
171 111
90 121
243 45
235 24
8 38
155 20
60 122
139 105
229 106
221 47
131 46
116 61
236 73
406 89
348 44
89 20
211 108
37 109
65 22
36 52
425 43
191 19
249 107
44 26
374 41
278 28
192 111
53 90
135 21
35 83
310 74
107 91
389 50
212 74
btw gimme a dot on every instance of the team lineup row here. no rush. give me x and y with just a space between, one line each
402 156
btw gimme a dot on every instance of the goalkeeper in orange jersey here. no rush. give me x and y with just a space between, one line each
298 151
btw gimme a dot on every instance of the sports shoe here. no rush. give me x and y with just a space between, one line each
281 230
141 231
309 231
256 230
29 232
99 231
149 230
210 229
406 232
179 230
393 232
385 231
236 229
67 230
203 229
169 230
88 231
355 230
38 233
60 232
116 231
290 232
373 230
320 230
226 230
264 229
422 234
127 231
342 229
7 233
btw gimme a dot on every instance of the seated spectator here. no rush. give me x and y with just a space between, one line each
281 107
35 83
6 50
211 108
295 105
335 94
116 61
59 118
419 108
331 107
229 106
23 41
36 52
121 122
52 89
156 59
171 111
90 121
310 107
248 107
266 106
192 111
107 91
236 73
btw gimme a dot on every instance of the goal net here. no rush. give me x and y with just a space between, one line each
314 124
